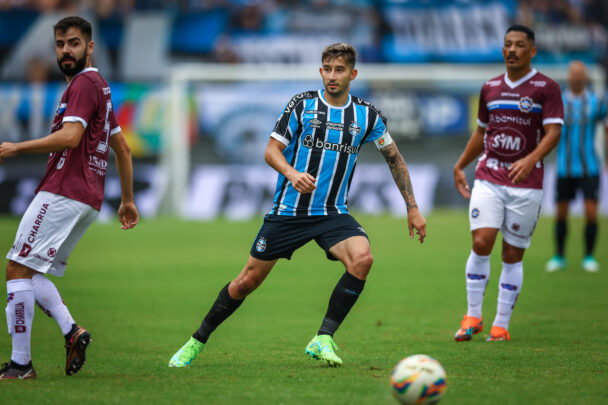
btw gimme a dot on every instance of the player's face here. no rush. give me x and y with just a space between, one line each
72 51
518 50
577 77
337 76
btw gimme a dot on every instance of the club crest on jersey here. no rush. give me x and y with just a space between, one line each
474 213
354 128
261 244
525 104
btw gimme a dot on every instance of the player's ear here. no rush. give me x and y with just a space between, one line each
533 51
353 74
91 47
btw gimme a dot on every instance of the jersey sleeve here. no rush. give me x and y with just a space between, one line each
114 126
287 123
82 100
553 105
378 131
482 111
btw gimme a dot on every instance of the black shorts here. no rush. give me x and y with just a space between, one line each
280 236
567 186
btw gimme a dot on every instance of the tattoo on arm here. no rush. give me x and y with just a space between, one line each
398 168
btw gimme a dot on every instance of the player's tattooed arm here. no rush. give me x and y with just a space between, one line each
398 168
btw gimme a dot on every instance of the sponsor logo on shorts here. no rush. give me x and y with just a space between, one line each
10 297
20 318
34 231
362 230
44 259
354 128
474 213
509 287
515 226
25 250
261 244
51 252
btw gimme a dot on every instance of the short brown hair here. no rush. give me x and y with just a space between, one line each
343 50
66 23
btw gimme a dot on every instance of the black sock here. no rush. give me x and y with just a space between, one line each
221 309
561 229
68 336
342 299
590 236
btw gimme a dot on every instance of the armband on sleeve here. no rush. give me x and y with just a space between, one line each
383 141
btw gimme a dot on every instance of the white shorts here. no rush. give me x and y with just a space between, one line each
513 210
49 230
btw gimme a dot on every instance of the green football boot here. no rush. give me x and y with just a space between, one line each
187 353
323 347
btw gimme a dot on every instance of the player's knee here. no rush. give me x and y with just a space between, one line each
512 255
248 283
362 265
481 246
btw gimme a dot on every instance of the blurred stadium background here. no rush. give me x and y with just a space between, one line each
198 84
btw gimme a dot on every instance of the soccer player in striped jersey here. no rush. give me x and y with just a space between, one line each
314 149
578 164
518 123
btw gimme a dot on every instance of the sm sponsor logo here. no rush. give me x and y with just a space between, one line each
507 144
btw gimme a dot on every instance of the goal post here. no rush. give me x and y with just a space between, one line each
175 159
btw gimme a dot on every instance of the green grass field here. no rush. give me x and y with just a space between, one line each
141 294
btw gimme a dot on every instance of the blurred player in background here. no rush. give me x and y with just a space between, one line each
578 164
519 122
314 147
67 200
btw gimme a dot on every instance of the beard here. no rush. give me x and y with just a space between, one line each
77 66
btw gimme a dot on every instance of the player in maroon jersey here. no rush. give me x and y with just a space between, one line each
519 122
68 198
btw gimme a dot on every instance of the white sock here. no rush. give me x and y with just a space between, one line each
511 280
478 274
19 318
48 299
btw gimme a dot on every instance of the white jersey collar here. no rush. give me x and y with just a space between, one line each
322 98
520 81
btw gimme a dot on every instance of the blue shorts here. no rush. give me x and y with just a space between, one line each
281 235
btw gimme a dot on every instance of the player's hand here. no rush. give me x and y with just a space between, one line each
127 215
521 169
460 180
303 182
7 149
415 221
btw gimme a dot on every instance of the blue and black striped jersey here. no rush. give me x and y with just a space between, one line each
323 141
576 152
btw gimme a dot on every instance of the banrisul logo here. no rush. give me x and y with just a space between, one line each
313 143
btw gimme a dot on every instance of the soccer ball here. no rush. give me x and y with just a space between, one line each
418 379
